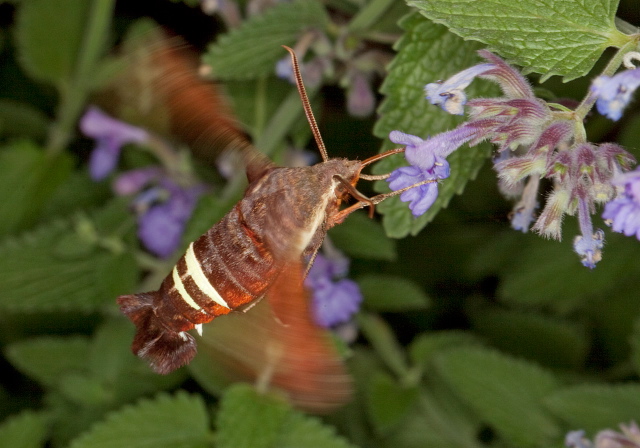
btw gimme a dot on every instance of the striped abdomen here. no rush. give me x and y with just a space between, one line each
227 268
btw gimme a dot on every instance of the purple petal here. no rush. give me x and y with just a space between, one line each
98 125
405 139
360 98
614 93
160 229
449 95
103 159
110 134
336 303
134 180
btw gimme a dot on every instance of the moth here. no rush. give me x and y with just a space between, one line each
261 249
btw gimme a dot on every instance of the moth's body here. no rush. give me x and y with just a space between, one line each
283 217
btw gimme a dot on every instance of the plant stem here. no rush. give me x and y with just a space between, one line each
587 103
74 92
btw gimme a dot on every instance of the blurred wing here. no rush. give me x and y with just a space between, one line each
162 90
290 352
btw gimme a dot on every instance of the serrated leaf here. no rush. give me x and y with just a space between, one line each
247 419
546 36
383 340
47 39
46 359
253 49
388 402
426 53
594 407
361 237
302 431
22 120
390 293
28 177
505 392
178 421
551 342
26 430
39 276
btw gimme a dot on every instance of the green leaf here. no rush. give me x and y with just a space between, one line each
167 421
551 342
301 431
383 340
505 392
390 293
46 359
426 53
552 37
48 36
26 430
253 49
28 177
41 273
22 120
438 420
361 237
247 419
550 273
388 402
594 407
426 346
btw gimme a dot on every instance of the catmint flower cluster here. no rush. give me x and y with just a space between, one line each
629 437
162 205
535 140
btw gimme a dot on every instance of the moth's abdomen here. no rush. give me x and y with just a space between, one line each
227 268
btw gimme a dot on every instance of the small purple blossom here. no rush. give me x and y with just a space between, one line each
576 439
111 135
161 225
449 95
588 245
614 93
335 298
524 210
420 198
427 159
360 98
628 437
423 153
624 211
284 69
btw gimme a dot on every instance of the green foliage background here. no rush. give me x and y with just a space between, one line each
471 334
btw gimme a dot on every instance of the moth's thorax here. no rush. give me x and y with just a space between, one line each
288 206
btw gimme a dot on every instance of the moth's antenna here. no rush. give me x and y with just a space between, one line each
305 104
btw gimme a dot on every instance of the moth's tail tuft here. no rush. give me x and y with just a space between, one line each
165 349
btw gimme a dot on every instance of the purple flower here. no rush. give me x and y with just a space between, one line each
360 98
614 93
111 135
449 95
420 198
524 209
576 439
284 69
624 211
335 299
588 245
423 153
161 225
427 159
